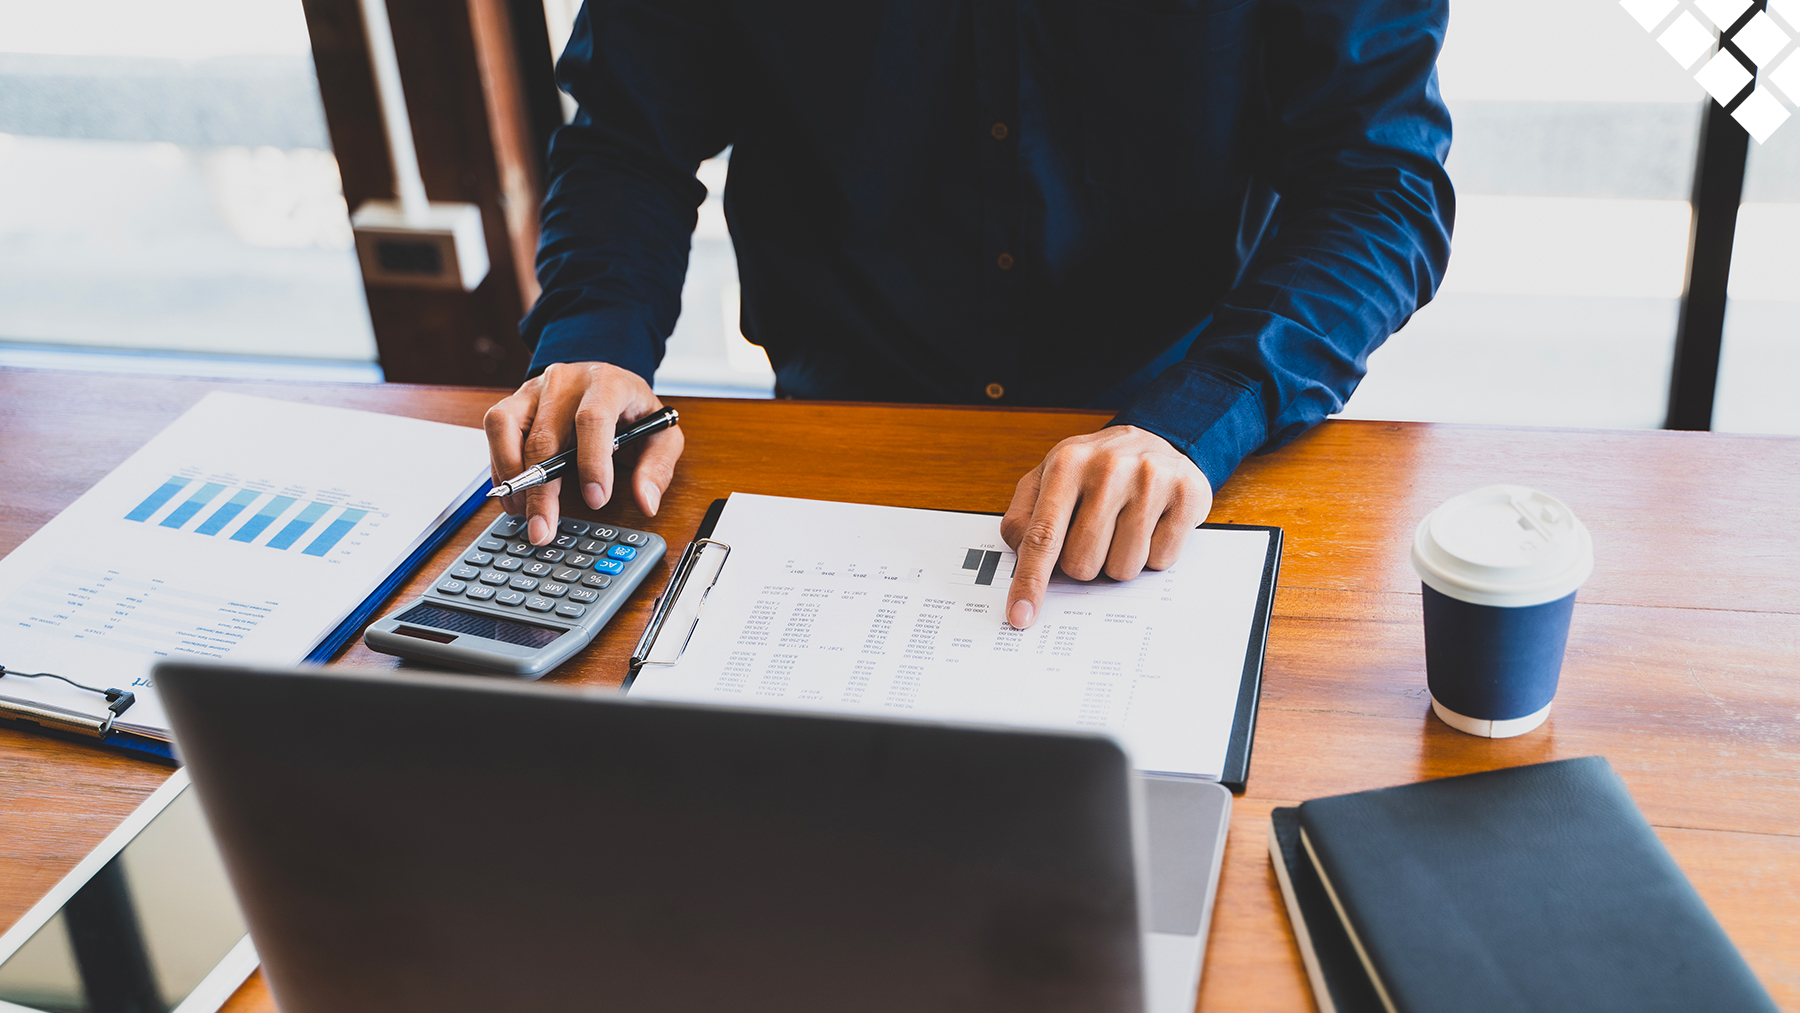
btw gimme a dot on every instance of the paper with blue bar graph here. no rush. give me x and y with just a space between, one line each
247 530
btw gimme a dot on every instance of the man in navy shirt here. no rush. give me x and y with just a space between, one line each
1203 214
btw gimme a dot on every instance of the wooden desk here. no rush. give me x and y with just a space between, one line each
1683 665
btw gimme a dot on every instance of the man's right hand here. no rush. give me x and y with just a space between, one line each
584 403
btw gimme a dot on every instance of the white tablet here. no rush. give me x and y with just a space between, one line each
145 922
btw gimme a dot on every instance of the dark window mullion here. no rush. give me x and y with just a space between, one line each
1718 190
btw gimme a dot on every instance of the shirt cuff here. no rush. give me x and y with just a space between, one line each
595 337
1216 420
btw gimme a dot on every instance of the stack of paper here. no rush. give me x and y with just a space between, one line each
877 610
247 530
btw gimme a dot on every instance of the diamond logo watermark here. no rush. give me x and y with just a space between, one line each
1762 63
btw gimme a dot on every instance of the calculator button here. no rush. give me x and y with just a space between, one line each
539 604
634 538
480 593
571 526
599 580
611 566
605 534
507 526
550 555
508 563
568 611
624 552
538 568
478 558
565 541
524 584
520 549
452 586
491 545
509 598
592 545
580 560
567 575
494 577
464 572
551 589
584 595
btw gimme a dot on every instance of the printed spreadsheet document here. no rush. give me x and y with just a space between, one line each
885 611
247 530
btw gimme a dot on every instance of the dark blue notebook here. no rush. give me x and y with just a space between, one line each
1537 888
1333 969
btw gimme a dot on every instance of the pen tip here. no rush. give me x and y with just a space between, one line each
496 491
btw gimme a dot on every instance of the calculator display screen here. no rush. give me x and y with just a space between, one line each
507 631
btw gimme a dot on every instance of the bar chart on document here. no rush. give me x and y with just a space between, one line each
245 531
136 612
258 512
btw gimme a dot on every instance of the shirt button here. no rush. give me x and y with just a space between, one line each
999 131
1005 261
996 391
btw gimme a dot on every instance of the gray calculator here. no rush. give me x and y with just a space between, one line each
513 608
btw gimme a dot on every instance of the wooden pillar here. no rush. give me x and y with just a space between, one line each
465 94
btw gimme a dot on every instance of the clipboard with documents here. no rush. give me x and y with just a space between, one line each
250 530
872 610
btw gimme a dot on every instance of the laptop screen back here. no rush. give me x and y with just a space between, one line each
443 843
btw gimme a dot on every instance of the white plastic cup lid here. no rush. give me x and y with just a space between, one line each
1505 545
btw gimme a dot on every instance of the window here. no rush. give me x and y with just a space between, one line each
1759 359
1575 139
170 186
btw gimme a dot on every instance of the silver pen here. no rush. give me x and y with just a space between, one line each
538 474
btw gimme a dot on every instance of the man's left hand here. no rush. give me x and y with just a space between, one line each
1115 501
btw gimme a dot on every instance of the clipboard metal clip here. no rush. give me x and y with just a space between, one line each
63 719
676 615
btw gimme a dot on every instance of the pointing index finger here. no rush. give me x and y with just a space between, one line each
1040 545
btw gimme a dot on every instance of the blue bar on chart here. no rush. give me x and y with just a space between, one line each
225 514
255 525
186 511
345 524
297 527
154 502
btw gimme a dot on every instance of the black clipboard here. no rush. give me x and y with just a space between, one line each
1236 771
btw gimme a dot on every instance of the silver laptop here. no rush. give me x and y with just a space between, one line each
446 843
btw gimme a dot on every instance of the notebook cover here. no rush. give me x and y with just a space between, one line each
1339 983
1534 888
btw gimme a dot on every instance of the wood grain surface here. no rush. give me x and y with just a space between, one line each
1683 666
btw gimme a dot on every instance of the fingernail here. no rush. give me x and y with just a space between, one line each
595 496
652 497
537 530
1021 614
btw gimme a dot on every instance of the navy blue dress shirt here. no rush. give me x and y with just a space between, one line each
1202 213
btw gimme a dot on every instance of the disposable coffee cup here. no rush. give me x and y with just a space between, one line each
1500 568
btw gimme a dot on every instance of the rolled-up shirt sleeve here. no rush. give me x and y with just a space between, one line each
1355 141
622 197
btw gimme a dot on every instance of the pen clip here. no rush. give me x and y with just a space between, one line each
664 418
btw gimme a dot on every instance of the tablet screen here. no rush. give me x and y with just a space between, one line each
139 935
